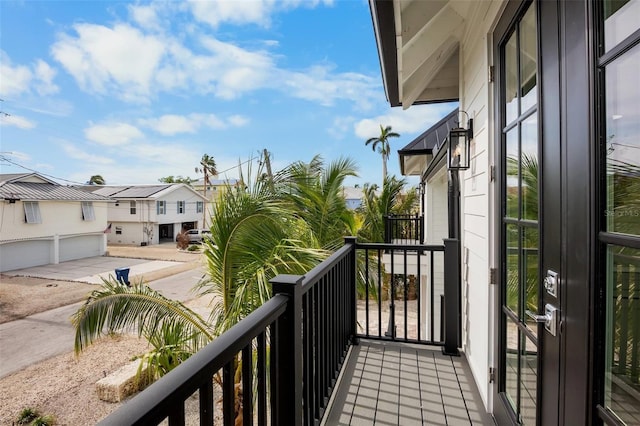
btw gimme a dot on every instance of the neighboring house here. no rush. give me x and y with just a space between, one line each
547 212
43 222
214 191
353 196
149 214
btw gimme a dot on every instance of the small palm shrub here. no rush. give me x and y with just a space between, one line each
32 417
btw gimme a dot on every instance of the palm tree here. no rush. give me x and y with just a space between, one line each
376 206
257 233
208 167
96 180
382 143
316 195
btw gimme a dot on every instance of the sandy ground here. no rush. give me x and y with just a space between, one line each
64 386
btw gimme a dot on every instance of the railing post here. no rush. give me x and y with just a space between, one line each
353 276
451 295
287 407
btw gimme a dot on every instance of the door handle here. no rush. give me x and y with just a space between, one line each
549 318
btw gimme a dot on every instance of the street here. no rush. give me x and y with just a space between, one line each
38 337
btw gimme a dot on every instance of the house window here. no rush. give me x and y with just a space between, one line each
132 207
161 207
180 207
32 212
87 211
199 206
118 230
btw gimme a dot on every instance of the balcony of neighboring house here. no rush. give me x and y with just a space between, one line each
351 342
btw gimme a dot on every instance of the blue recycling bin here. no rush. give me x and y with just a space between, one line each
122 276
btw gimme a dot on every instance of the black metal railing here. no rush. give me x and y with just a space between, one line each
625 305
404 229
401 289
290 350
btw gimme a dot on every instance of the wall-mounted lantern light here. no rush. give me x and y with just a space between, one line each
458 148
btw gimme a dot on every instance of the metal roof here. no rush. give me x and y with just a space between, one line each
424 144
27 191
131 191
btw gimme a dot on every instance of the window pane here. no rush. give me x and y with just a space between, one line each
87 211
32 212
528 382
528 60
529 168
623 143
511 363
512 166
620 20
622 369
511 79
513 268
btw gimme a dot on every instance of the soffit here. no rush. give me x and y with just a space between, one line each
418 45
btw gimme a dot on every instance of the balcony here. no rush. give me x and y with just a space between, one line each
404 229
348 343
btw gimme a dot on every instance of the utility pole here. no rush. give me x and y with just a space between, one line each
267 162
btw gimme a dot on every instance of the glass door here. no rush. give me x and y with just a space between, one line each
518 378
619 87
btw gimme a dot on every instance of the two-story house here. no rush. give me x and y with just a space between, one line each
149 214
43 222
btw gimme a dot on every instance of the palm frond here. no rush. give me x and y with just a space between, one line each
117 308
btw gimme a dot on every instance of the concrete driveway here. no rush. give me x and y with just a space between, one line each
91 270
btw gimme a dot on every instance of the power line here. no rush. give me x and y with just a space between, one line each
4 158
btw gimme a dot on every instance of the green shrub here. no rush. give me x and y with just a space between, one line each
47 420
27 415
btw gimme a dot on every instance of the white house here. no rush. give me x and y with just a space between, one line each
149 214
547 211
43 222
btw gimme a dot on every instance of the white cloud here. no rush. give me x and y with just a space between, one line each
112 134
413 120
78 154
44 79
320 84
235 12
238 120
102 59
136 64
172 124
19 79
242 12
17 121
145 16
341 127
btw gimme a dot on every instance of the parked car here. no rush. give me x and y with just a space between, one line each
197 235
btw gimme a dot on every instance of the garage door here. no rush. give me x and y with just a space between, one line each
24 254
80 247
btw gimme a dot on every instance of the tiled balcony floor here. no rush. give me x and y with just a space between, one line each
402 384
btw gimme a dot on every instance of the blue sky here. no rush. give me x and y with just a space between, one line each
138 91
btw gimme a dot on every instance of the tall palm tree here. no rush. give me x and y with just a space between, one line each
208 167
382 143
